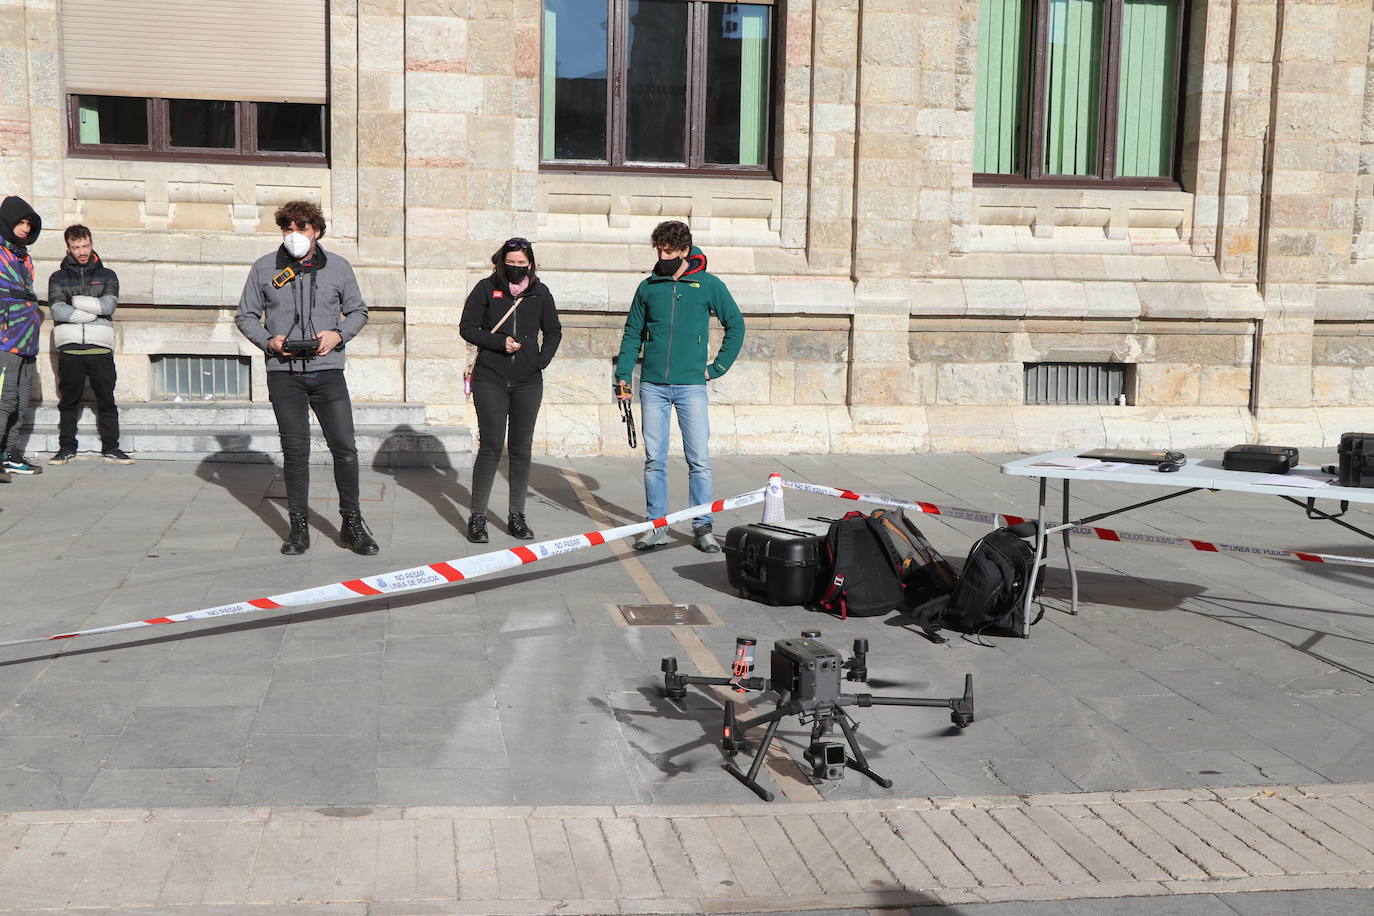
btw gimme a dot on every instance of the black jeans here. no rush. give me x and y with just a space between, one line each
73 369
293 395
499 404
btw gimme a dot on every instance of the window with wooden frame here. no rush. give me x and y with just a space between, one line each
657 85
196 129
164 79
1079 92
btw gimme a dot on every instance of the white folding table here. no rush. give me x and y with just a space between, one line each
1196 474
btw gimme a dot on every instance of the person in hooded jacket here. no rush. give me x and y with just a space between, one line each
669 322
20 321
511 318
83 294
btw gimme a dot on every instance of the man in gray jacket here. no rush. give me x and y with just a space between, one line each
83 294
311 306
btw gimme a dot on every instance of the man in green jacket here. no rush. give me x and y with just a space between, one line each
670 322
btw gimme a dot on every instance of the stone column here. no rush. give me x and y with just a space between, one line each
830 217
888 208
381 138
32 133
1239 185
440 94
1316 109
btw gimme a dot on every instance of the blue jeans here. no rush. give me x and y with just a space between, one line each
655 403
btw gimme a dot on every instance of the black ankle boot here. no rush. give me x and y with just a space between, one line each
477 529
298 541
355 535
518 527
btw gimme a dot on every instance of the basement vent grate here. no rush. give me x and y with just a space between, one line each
1075 383
200 378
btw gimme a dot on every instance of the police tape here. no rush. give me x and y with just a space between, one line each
1101 534
420 577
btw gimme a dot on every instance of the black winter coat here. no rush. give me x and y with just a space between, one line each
534 317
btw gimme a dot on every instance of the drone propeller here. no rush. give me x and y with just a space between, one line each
880 683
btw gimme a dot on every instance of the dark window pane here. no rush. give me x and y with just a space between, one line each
112 119
290 128
574 71
202 125
656 86
737 44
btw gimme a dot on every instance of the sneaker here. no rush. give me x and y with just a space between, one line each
704 540
115 456
20 465
651 539
63 456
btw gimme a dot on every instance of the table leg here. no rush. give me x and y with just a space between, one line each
1040 542
1068 555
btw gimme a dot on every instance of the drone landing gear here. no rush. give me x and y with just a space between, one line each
806 679
827 758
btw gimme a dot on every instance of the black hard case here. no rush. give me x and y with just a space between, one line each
1356 454
1260 459
776 564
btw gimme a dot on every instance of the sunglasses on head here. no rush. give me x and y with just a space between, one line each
518 243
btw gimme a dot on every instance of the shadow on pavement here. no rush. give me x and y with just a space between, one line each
238 469
428 473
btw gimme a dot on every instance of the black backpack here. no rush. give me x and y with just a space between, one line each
990 595
879 563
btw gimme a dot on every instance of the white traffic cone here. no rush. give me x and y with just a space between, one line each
773 512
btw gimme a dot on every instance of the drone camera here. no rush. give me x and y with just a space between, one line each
826 759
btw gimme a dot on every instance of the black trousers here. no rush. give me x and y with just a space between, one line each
293 396
502 407
73 371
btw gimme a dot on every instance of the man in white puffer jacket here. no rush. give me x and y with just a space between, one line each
83 294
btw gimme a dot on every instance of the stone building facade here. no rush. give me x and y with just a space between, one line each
893 302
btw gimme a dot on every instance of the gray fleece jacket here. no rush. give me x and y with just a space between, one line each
322 296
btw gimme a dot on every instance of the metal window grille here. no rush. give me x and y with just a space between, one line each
200 378
1075 383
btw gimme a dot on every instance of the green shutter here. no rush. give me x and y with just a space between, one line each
1148 95
753 82
1073 86
88 116
550 82
1001 87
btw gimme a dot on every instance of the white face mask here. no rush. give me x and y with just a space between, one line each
296 244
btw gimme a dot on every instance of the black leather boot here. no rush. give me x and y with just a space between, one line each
298 541
477 529
518 527
355 535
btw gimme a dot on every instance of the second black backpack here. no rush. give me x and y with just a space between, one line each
990 596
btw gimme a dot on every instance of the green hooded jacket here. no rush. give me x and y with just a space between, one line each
670 321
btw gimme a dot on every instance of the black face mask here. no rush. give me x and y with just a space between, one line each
515 274
666 267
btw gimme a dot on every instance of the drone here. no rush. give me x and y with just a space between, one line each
805 675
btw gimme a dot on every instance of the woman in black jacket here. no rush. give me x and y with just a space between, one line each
508 380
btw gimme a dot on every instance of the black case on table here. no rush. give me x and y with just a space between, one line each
1356 466
1260 459
777 564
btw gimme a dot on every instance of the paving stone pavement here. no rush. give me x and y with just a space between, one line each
692 859
502 745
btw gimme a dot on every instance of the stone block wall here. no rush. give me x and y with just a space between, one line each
891 303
